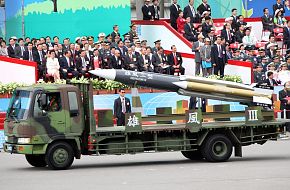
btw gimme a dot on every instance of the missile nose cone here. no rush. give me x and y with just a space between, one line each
109 74
181 84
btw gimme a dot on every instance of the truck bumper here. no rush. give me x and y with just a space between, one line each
25 148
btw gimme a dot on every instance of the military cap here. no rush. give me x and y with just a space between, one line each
132 25
143 41
157 41
102 34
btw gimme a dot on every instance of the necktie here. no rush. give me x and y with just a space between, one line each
175 59
123 105
40 56
229 36
22 50
30 56
68 62
220 51
84 62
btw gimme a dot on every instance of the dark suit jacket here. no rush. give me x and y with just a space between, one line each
188 13
266 21
152 10
156 60
189 32
239 36
79 63
123 52
141 63
201 8
117 63
215 54
206 28
64 64
224 34
18 51
286 34
11 51
173 13
234 24
283 101
147 14
114 34
170 59
128 61
118 107
268 82
36 57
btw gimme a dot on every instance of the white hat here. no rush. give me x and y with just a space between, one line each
14 37
77 38
102 34
277 11
228 19
270 45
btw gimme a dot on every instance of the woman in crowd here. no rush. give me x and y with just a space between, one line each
283 74
279 20
53 66
3 49
180 23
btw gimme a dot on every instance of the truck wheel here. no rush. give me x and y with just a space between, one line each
59 156
217 148
192 155
36 160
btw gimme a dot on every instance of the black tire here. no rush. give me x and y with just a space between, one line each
217 148
59 156
192 155
36 160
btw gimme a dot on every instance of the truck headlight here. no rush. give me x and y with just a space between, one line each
6 138
23 140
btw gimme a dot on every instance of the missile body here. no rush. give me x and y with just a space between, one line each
189 86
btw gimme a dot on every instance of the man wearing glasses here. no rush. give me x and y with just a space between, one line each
121 106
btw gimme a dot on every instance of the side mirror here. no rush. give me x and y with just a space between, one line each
43 101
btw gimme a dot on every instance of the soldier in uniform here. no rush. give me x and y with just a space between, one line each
53 103
259 75
133 32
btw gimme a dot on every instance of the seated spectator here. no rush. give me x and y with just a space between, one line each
144 63
259 75
271 51
180 23
3 49
52 66
189 30
249 40
28 55
267 20
39 58
175 61
279 21
271 68
241 21
131 62
206 26
67 66
83 63
286 34
283 74
96 61
11 48
240 34
19 50
228 34
117 61
270 81
159 61
272 41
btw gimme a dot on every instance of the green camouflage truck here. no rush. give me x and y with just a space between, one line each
54 124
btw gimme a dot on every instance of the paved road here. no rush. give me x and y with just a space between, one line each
261 168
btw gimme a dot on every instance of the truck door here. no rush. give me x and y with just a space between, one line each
75 114
51 118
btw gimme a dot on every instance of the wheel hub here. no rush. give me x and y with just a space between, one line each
219 148
60 156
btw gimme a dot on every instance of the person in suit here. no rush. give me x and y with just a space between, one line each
239 35
203 7
286 35
67 66
122 48
28 54
175 61
219 57
205 54
19 50
189 11
228 34
11 48
144 62
174 8
130 60
267 20
270 81
155 10
115 32
189 31
278 6
284 97
83 63
39 58
159 60
146 10
196 49
249 40
235 19
121 107
117 61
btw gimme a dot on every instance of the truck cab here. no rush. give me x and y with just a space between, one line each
42 116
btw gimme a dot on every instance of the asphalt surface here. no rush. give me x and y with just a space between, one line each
261 168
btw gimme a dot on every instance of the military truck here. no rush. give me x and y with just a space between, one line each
53 124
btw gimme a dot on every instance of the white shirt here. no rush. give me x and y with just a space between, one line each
52 64
284 76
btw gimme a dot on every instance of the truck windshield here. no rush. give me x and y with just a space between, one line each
19 105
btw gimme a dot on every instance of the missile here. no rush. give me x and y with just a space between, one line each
189 85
